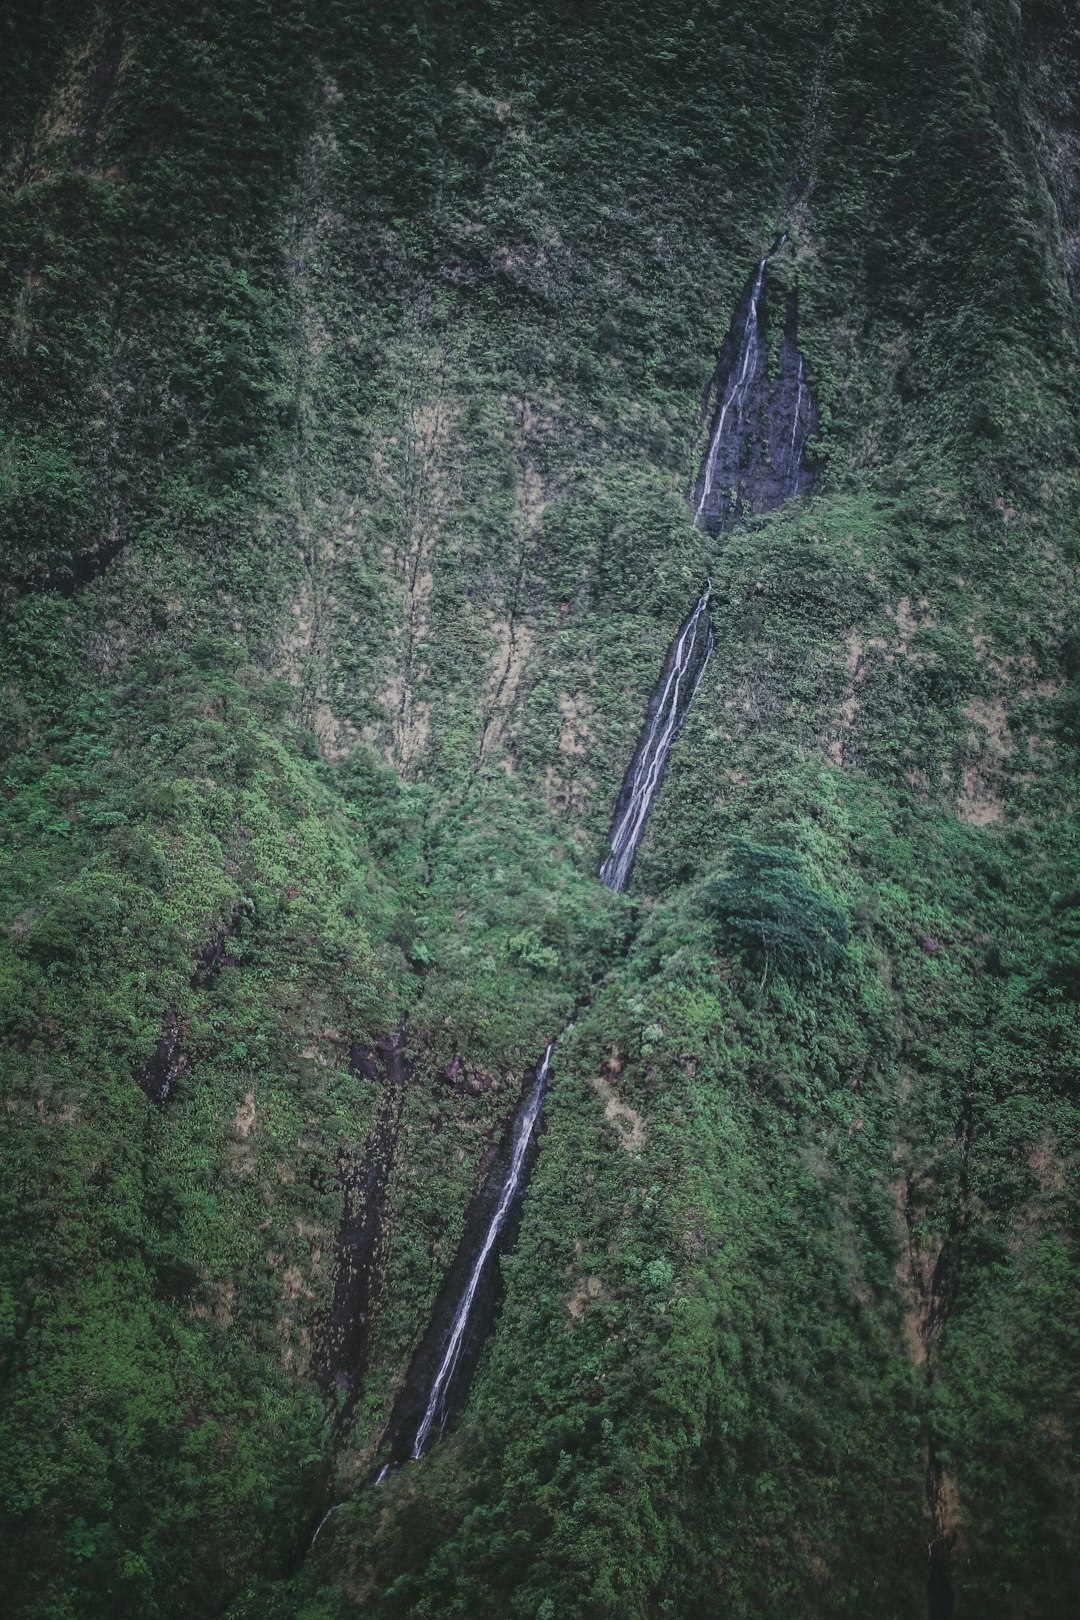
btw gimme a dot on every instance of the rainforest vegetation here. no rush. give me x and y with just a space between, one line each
359 362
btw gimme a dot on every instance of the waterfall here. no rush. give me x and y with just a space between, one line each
329 1514
745 439
440 1385
746 367
764 415
797 454
666 715
753 464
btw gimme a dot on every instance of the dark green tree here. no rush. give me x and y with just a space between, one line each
763 903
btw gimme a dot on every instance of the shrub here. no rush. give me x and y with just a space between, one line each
764 904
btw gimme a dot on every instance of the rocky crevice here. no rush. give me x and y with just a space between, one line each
167 1064
103 75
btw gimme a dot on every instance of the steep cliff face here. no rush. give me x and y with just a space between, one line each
360 392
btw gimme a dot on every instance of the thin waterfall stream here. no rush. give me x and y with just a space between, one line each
746 373
683 670
755 460
438 1380
437 1407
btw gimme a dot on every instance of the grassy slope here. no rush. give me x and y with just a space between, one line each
377 342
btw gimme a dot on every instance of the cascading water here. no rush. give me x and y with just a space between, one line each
440 1387
747 367
764 417
679 681
792 451
754 462
437 1381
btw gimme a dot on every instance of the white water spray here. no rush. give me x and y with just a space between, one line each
436 1406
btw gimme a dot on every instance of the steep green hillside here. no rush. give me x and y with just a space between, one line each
357 375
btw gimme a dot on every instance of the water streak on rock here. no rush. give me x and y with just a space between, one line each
746 370
765 415
437 1405
679 681
344 1338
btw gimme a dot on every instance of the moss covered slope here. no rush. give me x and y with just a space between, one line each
355 382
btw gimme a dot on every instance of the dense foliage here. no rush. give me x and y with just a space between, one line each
764 903
353 385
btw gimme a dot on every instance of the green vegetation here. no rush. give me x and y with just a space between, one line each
352 387
776 919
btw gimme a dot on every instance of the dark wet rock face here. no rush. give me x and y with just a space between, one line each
764 414
464 1080
211 958
940 1604
104 72
364 1181
157 1078
439 1379
366 1062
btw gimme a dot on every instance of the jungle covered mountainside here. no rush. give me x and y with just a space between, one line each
359 368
